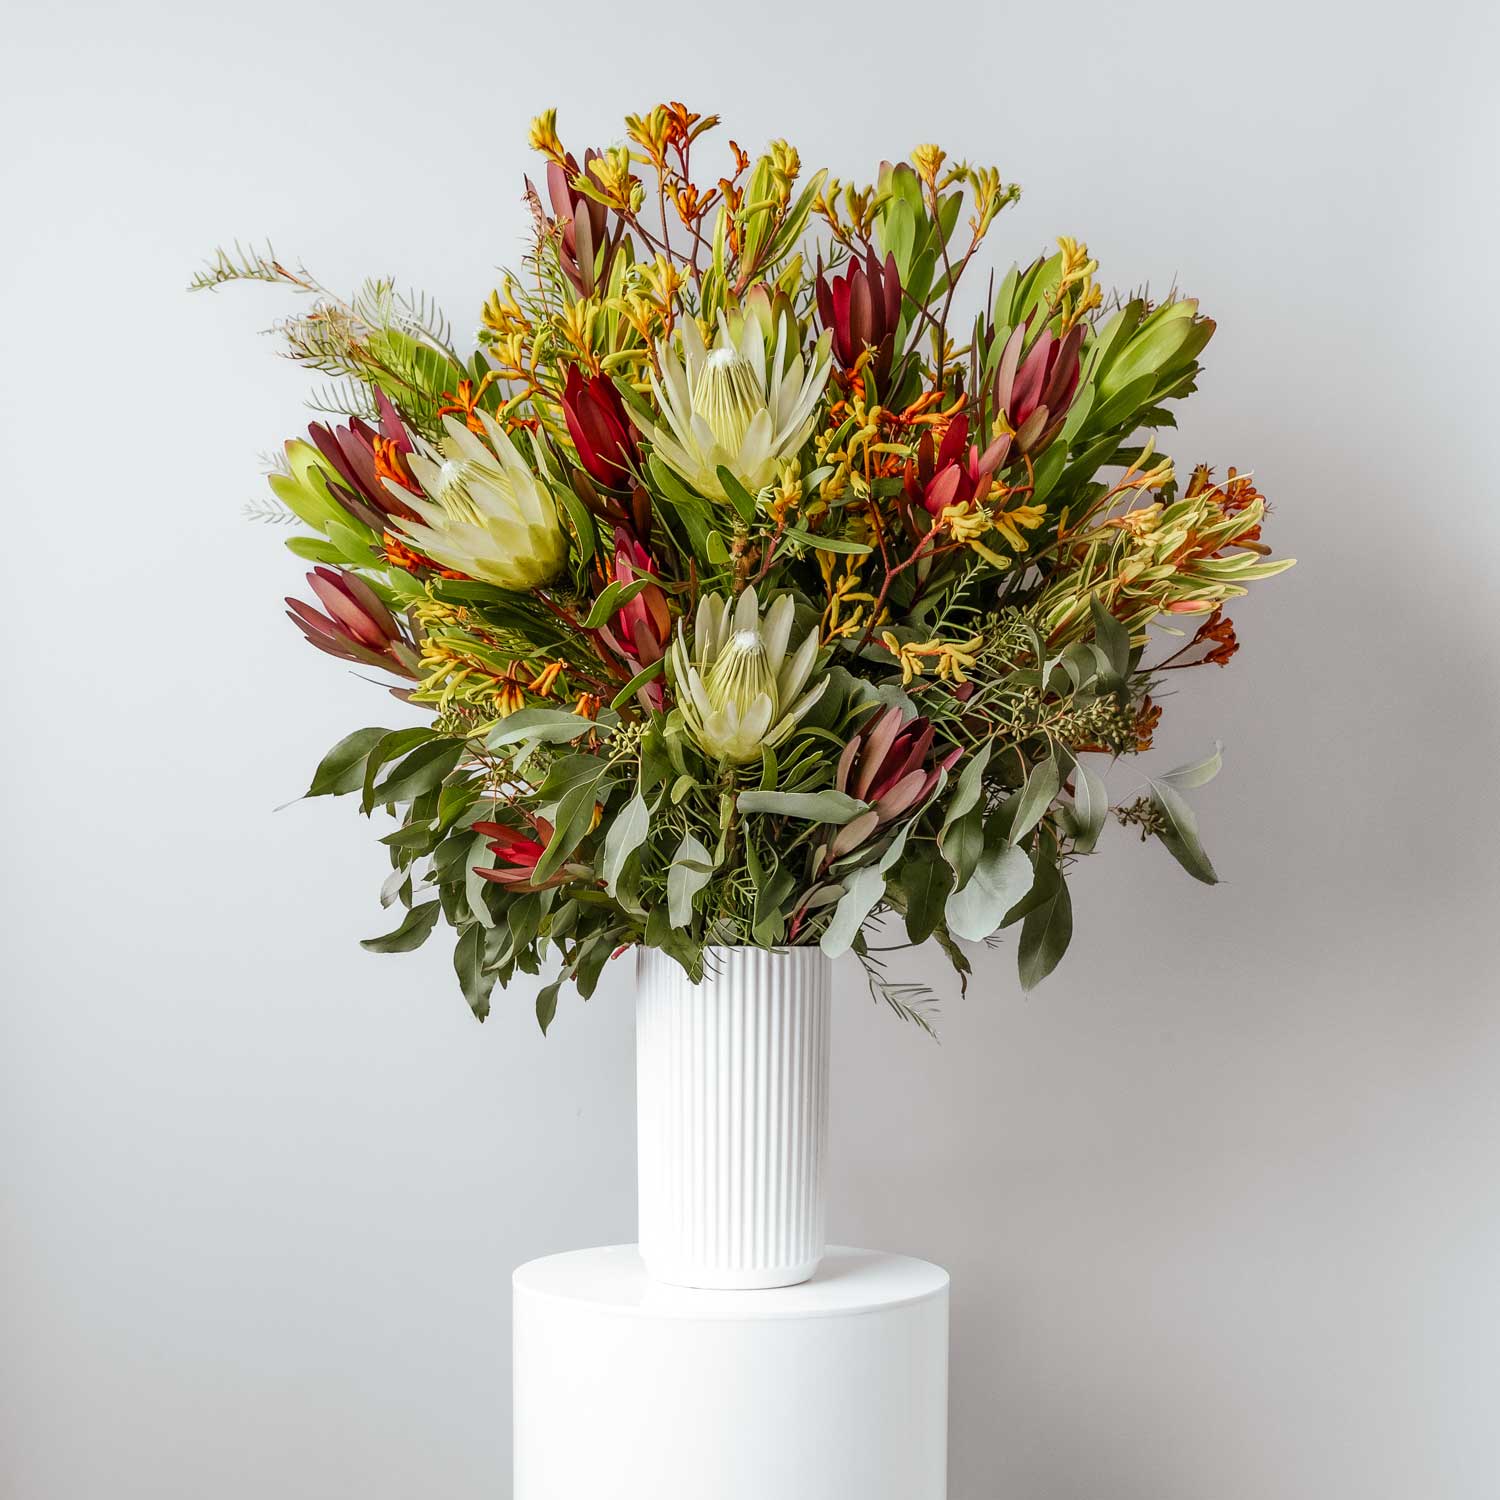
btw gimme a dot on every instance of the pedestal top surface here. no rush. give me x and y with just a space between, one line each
847 1282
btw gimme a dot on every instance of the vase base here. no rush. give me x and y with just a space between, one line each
760 1279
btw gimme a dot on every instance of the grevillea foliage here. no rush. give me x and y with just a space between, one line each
745 593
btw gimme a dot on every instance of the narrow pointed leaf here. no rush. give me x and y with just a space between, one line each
412 933
1045 935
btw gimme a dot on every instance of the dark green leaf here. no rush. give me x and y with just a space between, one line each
412 933
1113 638
1042 783
827 543
421 771
547 726
962 842
386 749
739 497
636 683
575 813
343 768
546 1004
612 598
1045 935
819 807
474 979
925 880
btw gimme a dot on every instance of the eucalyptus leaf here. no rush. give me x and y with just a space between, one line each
1042 783
475 885
970 785
1090 806
420 771
690 871
474 979
827 543
817 807
1112 637
1001 877
547 726
546 1003
862 892
343 768
1180 834
925 881
1197 773
627 832
575 816
962 844
1045 935
414 930
389 747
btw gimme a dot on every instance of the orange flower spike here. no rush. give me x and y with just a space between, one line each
511 694
588 705
1146 720
546 679
466 405
389 464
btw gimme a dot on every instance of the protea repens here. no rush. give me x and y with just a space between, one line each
890 765
738 688
862 309
1033 394
641 628
584 224
358 626
957 472
363 460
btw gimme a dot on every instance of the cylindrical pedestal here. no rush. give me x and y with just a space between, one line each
629 1389
732 1116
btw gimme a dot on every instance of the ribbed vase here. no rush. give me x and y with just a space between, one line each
732 1116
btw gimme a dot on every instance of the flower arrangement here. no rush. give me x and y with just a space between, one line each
747 596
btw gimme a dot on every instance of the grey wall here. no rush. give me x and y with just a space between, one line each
1220 1201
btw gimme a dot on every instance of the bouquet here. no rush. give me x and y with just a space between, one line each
749 593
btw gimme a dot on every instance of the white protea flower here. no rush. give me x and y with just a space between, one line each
738 405
487 514
737 688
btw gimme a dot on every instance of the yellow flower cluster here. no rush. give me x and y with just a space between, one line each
950 659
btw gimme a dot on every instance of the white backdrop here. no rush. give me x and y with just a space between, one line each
1220 1201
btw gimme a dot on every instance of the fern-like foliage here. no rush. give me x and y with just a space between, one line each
249 264
914 1003
380 337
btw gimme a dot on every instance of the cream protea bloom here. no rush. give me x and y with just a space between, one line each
738 688
738 404
487 514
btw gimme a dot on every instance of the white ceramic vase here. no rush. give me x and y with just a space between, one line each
732 1116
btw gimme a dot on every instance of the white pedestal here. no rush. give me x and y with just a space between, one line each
629 1389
